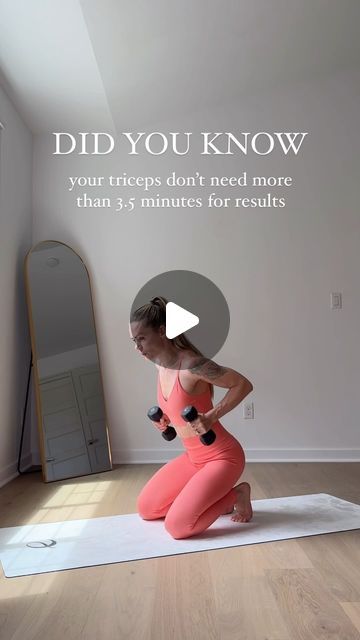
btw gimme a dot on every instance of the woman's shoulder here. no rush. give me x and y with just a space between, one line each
191 360
190 370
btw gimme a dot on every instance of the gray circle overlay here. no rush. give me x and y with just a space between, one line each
196 294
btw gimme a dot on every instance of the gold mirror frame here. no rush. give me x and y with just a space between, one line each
37 378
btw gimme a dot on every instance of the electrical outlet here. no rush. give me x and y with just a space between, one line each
336 301
249 410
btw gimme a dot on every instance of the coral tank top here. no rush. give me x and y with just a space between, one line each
179 399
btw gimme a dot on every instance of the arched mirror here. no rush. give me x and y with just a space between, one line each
73 431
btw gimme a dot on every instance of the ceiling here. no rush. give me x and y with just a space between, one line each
91 65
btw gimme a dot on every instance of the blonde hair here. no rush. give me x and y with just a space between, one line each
153 314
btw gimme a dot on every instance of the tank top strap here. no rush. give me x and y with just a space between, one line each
177 380
178 372
176 386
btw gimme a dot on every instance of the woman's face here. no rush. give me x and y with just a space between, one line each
148 341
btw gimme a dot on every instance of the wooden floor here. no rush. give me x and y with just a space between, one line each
296 589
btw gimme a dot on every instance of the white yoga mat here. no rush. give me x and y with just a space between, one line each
55 546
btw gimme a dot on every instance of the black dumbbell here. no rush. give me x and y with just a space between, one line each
155 414
189 414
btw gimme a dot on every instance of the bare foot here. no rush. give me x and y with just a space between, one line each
242 506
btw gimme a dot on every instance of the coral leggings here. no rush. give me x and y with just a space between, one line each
194 489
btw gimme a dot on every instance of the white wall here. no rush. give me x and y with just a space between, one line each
15 233
276 268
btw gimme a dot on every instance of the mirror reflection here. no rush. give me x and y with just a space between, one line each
73 431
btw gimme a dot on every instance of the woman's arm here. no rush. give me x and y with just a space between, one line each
238 386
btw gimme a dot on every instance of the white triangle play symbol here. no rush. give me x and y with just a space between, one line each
178 320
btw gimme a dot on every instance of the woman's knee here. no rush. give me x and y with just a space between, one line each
176 528
148 509
177 533
144 507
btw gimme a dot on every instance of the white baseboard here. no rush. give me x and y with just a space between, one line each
160 456
10 472
154 456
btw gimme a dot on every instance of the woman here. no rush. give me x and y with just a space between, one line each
195 488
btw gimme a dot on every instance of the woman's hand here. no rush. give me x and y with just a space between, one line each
163 423
202 424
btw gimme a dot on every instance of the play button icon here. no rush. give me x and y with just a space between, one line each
178 320
195 309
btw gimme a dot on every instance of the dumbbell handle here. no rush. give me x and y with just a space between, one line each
189 414
155 414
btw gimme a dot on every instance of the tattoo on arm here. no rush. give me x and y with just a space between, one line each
208 368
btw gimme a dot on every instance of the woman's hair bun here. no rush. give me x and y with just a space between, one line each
159 302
